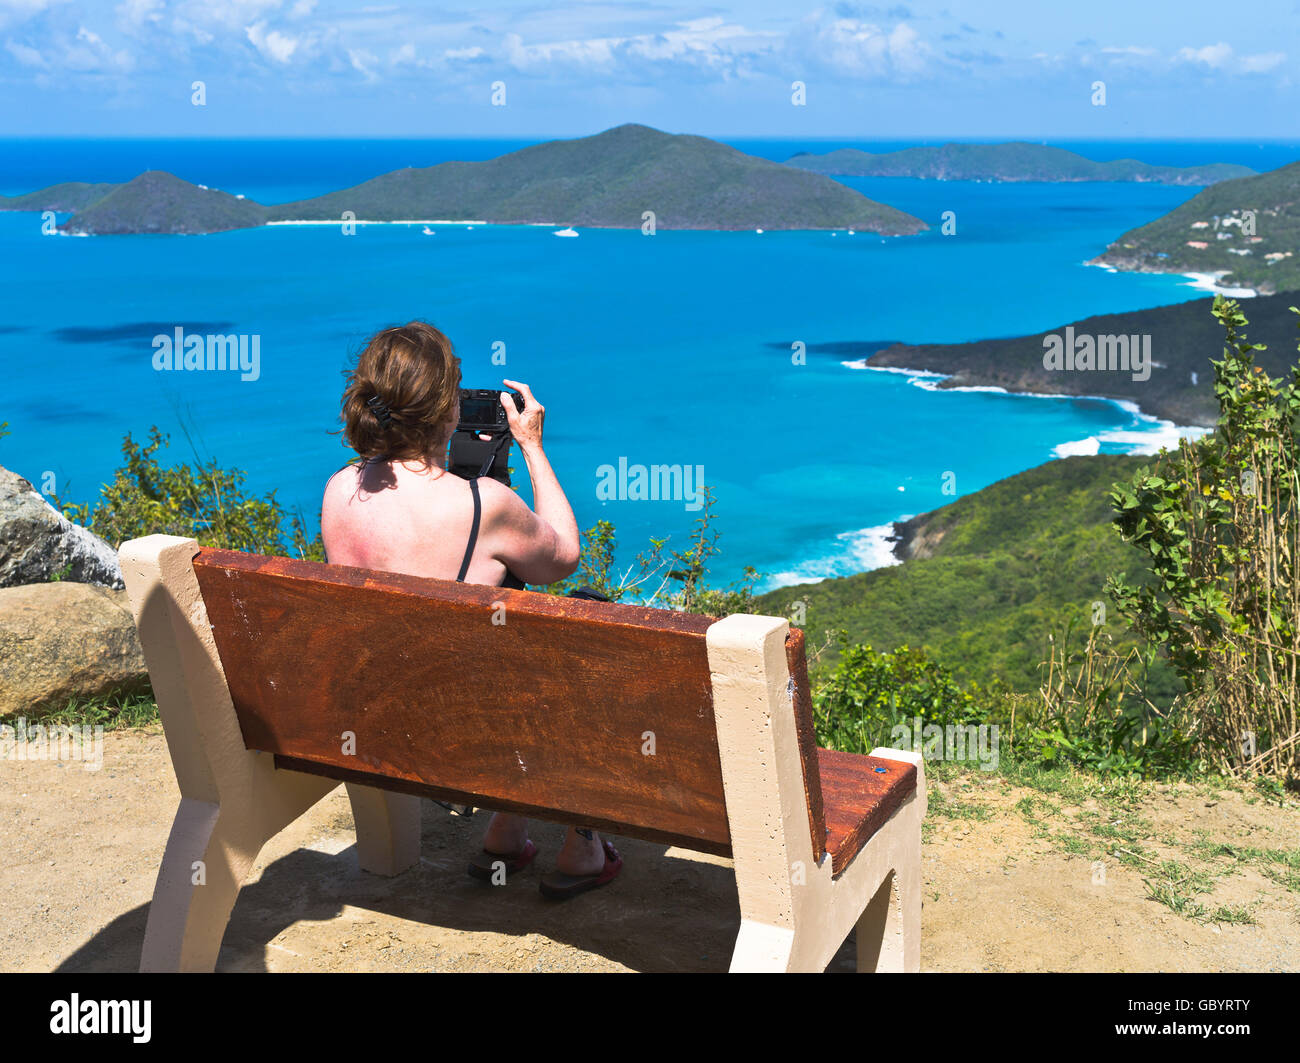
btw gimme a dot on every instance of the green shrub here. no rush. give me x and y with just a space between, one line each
867 694
1094 710
651 579
202 502
1218 524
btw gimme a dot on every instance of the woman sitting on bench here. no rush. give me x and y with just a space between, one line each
398 509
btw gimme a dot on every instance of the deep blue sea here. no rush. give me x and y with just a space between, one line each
671 349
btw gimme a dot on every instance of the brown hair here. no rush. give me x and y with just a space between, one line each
403 395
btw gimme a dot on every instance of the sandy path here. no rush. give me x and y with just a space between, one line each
82 848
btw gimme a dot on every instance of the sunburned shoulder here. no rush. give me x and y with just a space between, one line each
499 500
343 480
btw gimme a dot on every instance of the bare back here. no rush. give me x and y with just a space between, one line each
398 517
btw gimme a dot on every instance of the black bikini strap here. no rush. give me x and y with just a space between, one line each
473 531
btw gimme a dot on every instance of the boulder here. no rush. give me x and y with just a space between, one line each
37 542
64 640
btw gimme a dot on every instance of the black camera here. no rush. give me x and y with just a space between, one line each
481 410
481 413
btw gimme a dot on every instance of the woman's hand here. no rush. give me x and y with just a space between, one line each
525 424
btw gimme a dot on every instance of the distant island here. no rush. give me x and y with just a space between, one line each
1183 338
1017 161
1247 232
609 180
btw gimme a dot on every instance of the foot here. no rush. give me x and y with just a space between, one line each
506 834
581 856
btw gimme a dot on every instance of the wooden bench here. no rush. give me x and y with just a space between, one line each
278 679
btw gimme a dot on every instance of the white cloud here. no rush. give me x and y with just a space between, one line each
1129 49
26 56
363 62
1212 55
135 15
14 11
859 49
1221 57
275 45
1259 64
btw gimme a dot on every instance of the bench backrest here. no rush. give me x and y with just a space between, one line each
584 712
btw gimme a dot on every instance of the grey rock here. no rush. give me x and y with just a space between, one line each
37 541
64 640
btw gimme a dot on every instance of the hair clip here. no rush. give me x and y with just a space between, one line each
380 409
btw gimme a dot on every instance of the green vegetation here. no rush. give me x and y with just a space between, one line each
860 702
1258 215
68 197
203 501
157 202
1183 339
113 712
1001 586
1007 162
990 576
676 580
1219 523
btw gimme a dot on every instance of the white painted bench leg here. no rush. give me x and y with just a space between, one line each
208 856
388 829
762 779
232 799
889 930
761 948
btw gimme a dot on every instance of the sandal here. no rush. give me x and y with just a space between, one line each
558 886
486 864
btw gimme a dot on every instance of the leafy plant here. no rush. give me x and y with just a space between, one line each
1219 524
1093 711
203 502
648 579
868 694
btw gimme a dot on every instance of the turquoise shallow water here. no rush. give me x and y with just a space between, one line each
671 349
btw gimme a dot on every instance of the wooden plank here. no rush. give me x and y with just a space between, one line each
459 797
860 794
803 721
509 699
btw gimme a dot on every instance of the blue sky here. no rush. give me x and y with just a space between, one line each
1173 69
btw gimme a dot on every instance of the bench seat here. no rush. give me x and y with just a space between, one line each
859 794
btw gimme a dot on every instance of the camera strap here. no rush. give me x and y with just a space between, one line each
504 441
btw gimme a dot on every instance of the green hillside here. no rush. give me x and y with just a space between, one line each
67 197
989 575
610 180
1184 337
1007 162
158 202
1217 217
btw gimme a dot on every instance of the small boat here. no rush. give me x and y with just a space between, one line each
566 232
759 231
852 233
428 232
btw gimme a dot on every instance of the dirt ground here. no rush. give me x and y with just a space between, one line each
1009 886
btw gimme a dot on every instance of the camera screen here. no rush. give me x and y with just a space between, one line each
480 411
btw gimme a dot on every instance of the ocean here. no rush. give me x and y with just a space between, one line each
672 349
